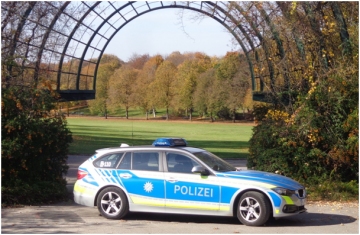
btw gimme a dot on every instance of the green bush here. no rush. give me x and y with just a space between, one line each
334 191
316 143
23 193
35 143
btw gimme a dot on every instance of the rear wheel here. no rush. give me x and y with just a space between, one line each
253 209
112 203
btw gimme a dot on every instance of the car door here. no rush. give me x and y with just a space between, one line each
144 182
185 190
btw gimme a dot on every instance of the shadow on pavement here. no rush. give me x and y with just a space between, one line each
305 219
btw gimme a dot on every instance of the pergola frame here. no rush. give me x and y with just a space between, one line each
75 34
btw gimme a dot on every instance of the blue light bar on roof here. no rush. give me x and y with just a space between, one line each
170 142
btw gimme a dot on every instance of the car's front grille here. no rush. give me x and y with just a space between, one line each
301 193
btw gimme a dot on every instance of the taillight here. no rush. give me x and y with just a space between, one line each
81 174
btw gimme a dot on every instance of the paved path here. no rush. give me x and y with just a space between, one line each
338 218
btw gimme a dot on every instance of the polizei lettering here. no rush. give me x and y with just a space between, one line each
194 191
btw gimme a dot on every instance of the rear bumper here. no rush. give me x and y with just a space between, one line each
84 195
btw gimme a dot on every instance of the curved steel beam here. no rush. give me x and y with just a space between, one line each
219 11
68 42
45 38
239 26
266 49
88 44
159 8
17 35
277 39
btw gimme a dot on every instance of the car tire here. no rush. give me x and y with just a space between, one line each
112 203
253 209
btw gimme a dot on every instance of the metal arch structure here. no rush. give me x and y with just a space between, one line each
65 41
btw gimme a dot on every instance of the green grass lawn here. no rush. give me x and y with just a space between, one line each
227 140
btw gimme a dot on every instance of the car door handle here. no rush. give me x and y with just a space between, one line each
125 175
172 180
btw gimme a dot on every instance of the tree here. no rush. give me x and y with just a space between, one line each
186 82
144 95
121 89
316 140
108 64
205 95
163 85
238 88
176 58
235 78
138 61
187 75
34 137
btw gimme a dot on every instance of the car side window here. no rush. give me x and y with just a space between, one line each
125 162
108 161
145 161
179 163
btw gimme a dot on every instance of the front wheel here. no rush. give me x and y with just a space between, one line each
112 203
253 209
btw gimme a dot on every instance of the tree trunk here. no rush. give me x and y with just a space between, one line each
234 115
127 113
147 115
316 28
344 35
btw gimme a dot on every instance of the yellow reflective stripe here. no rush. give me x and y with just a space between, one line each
178 204
224 208
185 205
147 201
83 190
288 200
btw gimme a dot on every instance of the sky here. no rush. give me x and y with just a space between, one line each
163 32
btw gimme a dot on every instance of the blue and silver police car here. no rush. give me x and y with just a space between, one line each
171 177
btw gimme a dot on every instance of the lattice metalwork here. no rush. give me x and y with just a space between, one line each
64 41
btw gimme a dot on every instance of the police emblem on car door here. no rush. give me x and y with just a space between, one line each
187 190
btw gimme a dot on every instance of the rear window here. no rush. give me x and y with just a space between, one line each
125 162
108 161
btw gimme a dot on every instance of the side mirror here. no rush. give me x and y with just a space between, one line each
200 169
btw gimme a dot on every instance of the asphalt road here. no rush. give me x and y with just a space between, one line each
68 217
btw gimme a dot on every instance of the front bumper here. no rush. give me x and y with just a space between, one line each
288 205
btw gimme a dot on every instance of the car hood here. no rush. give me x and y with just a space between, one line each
263 177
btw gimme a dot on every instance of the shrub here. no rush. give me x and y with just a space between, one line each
35 144
315 144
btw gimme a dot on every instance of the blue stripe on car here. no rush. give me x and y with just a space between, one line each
276 199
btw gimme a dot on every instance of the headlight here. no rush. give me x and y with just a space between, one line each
283 191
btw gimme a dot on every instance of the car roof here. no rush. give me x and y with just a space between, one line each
147 147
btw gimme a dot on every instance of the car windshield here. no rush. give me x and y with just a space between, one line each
214 162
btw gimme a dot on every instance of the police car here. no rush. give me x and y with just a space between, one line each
170 177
